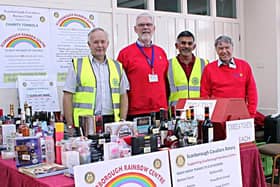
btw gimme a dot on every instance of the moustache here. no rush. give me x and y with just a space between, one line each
187 49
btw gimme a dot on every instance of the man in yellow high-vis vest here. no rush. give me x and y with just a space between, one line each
185 70
95 85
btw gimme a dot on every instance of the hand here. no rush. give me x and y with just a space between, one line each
71 130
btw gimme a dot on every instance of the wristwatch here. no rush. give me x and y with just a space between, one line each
70 126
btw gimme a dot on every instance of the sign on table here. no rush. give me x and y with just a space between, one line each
241 130
149 170
212 165
38 91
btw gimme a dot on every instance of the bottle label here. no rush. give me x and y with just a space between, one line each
163 135
192 140
147 149
210 134
155 130
173 138
25 157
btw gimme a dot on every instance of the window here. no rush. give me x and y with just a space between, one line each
138 4
168 5
199 7
226 8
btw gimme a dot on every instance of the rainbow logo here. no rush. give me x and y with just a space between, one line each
17 39
131 178
75 19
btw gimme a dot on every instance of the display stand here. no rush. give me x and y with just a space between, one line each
226 109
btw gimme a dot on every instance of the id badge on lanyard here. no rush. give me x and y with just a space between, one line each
152 77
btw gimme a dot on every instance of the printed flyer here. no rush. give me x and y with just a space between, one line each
214 164
69 33
24 43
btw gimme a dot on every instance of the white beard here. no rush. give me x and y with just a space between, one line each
146 38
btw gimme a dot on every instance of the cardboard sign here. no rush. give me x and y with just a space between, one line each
241 130
213 164
150 170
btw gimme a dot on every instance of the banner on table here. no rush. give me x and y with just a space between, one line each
149 170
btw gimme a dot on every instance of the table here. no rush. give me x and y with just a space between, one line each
10 177
251 167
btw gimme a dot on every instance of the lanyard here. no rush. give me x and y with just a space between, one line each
150 61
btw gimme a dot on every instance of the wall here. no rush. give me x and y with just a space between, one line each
119 23
10 96
261 25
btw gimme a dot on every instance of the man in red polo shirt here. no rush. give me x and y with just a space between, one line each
229 77
146 67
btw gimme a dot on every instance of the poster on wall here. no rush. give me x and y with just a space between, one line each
148 170
69 35
24 43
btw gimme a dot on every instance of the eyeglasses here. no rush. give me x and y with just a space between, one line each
145 24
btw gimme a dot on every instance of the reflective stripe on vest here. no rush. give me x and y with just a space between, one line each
180 87
115 77
84 98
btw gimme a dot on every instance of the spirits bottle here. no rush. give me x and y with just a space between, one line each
12 113
28 115
153 129
23 127
171 139
207 127
180 130
50 156
192 139
163 129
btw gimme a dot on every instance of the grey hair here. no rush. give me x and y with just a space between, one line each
145 15
97 29
223 38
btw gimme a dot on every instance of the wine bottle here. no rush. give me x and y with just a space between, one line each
207 127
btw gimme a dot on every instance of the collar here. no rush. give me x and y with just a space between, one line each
179 58
231 63
93 60
141 44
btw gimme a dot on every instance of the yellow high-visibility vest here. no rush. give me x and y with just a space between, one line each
179 85
84 98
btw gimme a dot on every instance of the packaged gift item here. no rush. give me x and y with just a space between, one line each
28 151
121 129
5 131
43 170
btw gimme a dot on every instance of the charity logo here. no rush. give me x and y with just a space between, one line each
21 39
75 19
131 178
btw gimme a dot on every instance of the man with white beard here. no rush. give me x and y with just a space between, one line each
146 66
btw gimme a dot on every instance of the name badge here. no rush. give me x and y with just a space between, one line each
153 78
